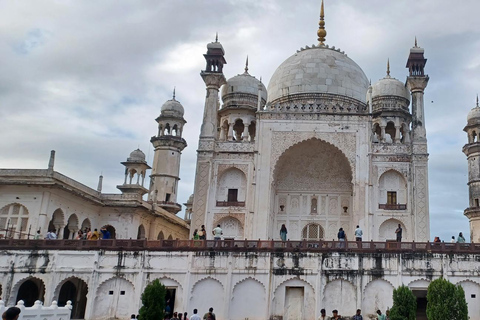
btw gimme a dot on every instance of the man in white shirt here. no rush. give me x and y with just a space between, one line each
358 234
217 233
195 316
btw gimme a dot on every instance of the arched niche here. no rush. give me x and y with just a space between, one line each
387 230
232 228
392 190
31 290
160 236
297 293
141 232
313 165
341 295
378 295
214 296
113 299
14 219
232 187
248 301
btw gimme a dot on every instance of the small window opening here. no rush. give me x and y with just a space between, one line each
473 296
314 205
167 197
476 203
110 292
391 197
122 293
232 195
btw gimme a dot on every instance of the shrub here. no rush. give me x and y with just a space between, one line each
445 301
404 304
153 300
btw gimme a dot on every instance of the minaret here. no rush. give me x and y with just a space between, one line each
472 151
417 82
214 79
168 146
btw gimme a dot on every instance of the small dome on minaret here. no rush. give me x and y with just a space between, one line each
172 108
474 115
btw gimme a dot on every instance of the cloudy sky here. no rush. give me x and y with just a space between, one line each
88 78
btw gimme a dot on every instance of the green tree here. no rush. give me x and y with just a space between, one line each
445 301
153 300
404 304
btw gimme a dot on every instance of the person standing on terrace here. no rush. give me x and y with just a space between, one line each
283 233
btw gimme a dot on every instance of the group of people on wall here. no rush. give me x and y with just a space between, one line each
86 234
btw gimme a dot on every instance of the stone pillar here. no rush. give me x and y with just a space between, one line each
230 132
397 134
245 134
382 138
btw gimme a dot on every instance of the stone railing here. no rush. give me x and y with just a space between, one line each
39 312
241 245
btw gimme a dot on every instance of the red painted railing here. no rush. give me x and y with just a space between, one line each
240 245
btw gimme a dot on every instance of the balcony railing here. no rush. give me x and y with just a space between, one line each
230 203
242 245
392 206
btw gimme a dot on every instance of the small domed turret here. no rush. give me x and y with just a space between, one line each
136 155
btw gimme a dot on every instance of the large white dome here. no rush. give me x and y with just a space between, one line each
318 70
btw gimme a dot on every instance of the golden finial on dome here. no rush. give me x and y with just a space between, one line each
388 67
246 65
322 33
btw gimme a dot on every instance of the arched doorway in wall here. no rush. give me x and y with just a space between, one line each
71 228
86 224
111 229
74 290
141 232
31 290
170 237
57 222
312 182
160 236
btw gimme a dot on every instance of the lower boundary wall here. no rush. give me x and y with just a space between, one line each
253 284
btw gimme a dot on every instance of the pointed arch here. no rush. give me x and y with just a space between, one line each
29 290
86 224
160 236
141 232
14 218
74 289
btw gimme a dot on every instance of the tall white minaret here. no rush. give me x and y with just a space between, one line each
214 79
472 151
417 82
168 144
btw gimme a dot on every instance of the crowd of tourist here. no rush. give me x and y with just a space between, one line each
183 316
356 316
86 234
